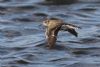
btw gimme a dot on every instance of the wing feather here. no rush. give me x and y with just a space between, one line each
70 28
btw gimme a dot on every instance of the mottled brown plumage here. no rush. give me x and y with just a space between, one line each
53 26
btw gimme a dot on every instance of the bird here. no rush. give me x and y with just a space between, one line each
53 26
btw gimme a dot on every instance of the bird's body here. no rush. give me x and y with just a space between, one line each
53 26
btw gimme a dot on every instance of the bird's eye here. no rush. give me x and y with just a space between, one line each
45 23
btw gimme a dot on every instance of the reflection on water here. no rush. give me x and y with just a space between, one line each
22 40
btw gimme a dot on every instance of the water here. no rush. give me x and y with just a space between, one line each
22 40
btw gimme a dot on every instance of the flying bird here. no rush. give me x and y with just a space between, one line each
53 26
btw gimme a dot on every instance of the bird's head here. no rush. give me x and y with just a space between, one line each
46 22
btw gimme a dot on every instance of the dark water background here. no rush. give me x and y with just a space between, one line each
22 41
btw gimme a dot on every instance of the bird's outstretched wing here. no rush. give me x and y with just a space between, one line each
70 28
72 31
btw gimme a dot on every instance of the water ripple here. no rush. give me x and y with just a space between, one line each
22 40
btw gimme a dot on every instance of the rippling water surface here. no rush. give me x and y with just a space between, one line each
22 40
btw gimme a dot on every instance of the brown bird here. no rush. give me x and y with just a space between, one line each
53 26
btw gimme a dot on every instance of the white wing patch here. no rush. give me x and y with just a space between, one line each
73 27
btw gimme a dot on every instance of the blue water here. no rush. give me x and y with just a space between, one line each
22 40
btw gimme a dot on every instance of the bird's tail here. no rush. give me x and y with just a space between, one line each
70 28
